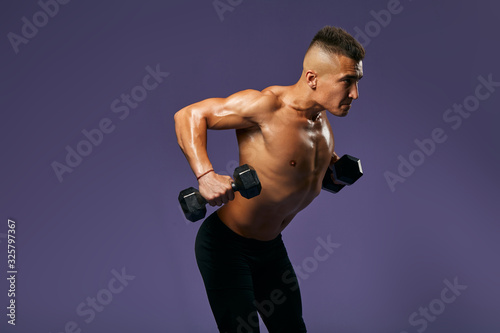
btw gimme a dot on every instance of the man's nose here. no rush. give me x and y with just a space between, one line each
354 92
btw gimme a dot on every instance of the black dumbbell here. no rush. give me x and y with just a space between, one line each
346 171
245 181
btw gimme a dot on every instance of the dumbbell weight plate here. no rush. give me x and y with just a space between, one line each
193 204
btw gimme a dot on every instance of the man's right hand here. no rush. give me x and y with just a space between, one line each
216 189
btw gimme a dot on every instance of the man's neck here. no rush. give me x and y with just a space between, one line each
299 98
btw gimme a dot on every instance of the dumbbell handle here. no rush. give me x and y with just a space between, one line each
245 181
328 183
233 185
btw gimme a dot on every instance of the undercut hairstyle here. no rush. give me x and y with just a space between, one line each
338 41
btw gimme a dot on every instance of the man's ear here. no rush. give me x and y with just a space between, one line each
312 79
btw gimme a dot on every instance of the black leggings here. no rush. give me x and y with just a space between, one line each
243 276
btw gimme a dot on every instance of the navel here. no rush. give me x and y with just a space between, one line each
293 163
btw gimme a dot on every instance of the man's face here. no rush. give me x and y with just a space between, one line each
338 87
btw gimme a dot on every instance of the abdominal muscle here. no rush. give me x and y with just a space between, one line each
265 216
290 172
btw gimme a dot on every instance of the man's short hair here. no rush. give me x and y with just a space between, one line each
338 41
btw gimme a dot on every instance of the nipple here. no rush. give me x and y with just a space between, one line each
292 163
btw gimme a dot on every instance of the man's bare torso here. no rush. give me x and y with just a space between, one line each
291 154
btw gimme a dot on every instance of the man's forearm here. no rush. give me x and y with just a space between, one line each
191 131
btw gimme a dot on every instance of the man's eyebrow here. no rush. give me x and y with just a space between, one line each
350 76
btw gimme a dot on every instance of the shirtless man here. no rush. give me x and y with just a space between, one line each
284 133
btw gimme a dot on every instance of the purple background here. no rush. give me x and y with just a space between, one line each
118 209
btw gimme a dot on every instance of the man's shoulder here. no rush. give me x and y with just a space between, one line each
268 93
266 99
274 91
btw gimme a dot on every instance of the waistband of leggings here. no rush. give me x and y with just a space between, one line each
215 224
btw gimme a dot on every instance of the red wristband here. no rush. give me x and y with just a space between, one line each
198 178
